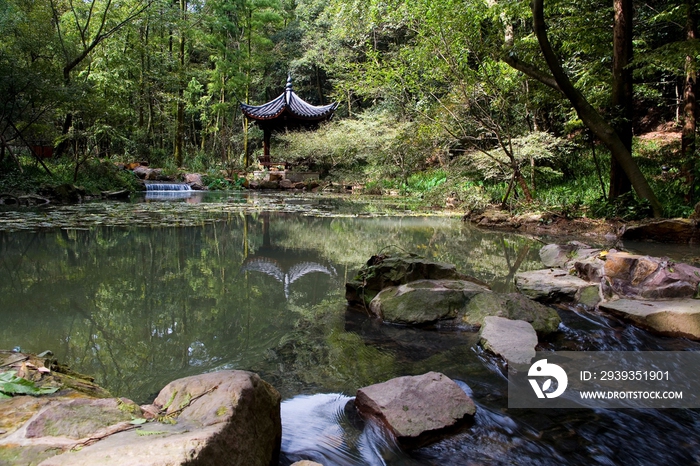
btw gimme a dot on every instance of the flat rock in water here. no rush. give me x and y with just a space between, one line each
514 340
226 417
424 301
417 409
556 285
514 306
673 318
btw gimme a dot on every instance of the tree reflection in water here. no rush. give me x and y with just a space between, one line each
138 307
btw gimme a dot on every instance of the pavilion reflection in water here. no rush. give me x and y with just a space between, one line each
283 264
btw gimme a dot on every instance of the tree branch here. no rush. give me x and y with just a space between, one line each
531 71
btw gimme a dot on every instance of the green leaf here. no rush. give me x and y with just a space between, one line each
10 384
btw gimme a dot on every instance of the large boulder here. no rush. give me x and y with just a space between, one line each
424 301
676 230
557 286
383 271
195 181
636 276
286 184
513 340
144 173
417 409
227 417
560 255
679 318
193 178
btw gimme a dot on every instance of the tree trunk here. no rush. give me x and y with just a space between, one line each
622 92
690 105
246 123
590 117
180 131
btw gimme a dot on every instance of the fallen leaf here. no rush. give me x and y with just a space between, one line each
22 372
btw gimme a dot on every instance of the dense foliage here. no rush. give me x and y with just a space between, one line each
427 91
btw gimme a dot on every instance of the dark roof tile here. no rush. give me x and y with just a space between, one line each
290 103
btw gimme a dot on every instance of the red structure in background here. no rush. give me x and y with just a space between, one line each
286 112
44 152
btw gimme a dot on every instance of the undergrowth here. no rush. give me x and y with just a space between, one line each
94 176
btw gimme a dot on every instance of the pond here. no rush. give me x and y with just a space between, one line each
138 294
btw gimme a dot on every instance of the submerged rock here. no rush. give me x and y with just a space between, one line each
383 271
417 409
412 291
424 301
678 318
458 303
514 306
513 340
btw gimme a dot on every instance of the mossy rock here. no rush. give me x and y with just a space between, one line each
383 271
514 306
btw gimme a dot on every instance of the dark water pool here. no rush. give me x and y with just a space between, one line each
140 294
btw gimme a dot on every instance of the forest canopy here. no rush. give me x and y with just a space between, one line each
483 100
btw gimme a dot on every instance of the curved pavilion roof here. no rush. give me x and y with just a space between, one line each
288 110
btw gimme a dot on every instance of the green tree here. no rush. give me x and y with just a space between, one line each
591 117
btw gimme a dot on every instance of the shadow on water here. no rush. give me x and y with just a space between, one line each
257 283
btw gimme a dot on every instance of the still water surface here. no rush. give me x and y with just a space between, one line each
120 292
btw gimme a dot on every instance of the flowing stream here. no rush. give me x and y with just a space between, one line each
138 294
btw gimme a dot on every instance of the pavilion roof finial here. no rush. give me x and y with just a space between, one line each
289 82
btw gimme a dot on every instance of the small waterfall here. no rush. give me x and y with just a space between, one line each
168 187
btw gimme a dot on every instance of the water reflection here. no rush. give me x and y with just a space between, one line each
283 265
139 307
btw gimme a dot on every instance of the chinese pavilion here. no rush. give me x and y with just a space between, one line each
288 111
